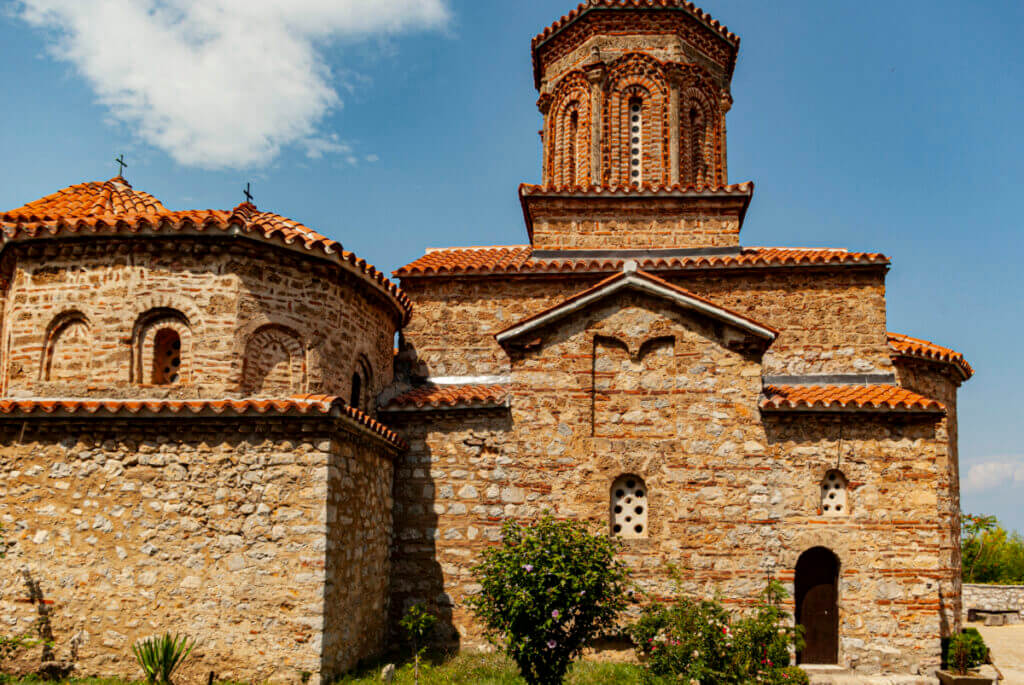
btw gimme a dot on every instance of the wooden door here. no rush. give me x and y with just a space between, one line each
817 606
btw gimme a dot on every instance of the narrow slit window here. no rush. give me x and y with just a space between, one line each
357 391
166 357
574 129
636 140
629 508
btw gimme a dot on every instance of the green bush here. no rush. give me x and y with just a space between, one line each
548 589
418 622
966 651
161 656
693 641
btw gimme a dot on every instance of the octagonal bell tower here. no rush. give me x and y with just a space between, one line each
634 93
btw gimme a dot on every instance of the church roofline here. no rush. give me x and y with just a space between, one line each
296 406
41 220
847 398
583 9
631 278
915 348
523 260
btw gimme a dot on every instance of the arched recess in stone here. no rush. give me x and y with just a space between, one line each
636 77
162 348
67 350
699 138
568 139
361 395
274 363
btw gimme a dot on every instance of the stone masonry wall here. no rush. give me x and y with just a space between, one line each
732 495
76 317
226 531
607 225
831 322
1001 598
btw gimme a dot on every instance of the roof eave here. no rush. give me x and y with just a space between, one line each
540 40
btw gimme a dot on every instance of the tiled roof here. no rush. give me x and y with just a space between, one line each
630 191
846 398
589 5
905 346
116 196
113 208
635 4
645 281
450 397
299 405
517 259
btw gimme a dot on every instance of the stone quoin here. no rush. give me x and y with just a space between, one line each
205 426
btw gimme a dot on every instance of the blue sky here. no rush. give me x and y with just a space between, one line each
395 125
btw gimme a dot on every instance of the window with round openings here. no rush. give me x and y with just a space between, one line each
636 139
629 508
834 500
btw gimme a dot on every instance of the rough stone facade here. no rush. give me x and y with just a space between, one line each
256 536
1007 599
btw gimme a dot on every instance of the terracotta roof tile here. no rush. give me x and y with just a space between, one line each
846 397
905 346
589 5
296 405
450 397
518 259
635 4
115 196
87 209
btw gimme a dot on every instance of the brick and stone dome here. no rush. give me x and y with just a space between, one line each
112 294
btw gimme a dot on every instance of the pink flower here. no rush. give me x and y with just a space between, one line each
554 614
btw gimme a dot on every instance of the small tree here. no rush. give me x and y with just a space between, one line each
548 589
418 622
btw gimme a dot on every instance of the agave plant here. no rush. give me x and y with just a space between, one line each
160 656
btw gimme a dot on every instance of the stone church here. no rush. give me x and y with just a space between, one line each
206 426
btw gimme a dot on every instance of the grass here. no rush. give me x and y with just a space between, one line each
495 669
463 669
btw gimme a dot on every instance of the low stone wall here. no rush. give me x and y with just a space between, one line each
994 598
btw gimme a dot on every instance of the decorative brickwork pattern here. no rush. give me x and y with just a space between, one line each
68 349
274 364
641 78
568 136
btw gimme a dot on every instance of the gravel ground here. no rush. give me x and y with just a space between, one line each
1007 646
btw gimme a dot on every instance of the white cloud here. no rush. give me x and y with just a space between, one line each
221 83
993 474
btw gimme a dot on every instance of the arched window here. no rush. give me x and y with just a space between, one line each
629 508
361 393
636 140
166 357
834 498
162 348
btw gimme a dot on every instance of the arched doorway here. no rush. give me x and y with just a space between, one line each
817 605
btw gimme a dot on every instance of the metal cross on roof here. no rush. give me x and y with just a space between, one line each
248 193
122 165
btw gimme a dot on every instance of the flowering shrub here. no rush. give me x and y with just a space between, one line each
699 642
545 591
